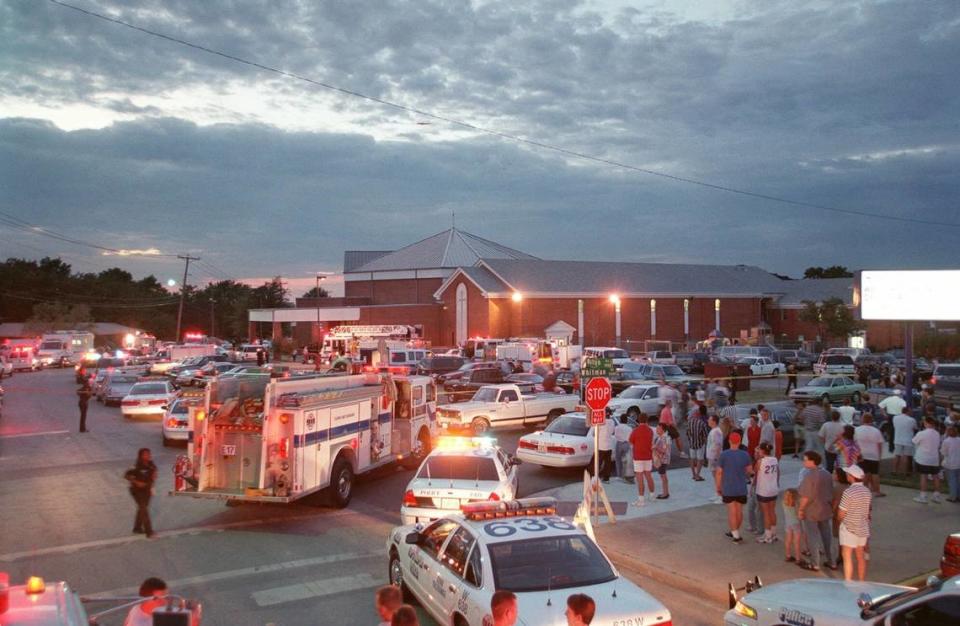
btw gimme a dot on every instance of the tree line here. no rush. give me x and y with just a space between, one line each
47 295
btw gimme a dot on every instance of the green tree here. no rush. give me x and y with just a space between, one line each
832 318
834 271
50 316
316 292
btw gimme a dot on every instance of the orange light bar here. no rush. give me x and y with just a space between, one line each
513 508
35 585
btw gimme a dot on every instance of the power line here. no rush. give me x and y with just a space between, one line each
18 296
501 134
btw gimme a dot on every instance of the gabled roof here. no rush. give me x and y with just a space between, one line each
480 276
815 290
352 259
597 278
449 249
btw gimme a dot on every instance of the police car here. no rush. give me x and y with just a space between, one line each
458 471
822 602
455 564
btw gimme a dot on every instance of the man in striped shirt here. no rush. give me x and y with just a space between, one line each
697 431
854 517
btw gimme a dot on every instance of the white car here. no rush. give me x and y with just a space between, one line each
458 471
815 601
174 426
454 565
566 442
148 398
660 357
762 365
636 399
6 367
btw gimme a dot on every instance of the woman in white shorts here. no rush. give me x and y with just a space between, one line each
854 517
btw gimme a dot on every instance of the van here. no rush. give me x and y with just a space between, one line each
946 385
834 364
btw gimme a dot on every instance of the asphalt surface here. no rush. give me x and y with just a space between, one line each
66 515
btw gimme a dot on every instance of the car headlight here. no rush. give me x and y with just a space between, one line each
745 610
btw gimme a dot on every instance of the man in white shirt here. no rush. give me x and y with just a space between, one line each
622 458
870 440
893 405
606 443
903 428
927 458
714 448
846 412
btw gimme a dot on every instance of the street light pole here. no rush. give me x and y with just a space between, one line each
183 289
213 321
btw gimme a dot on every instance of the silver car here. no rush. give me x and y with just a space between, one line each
116 386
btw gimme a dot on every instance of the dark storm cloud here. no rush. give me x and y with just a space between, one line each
848 105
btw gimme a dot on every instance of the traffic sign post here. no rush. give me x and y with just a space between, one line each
597 394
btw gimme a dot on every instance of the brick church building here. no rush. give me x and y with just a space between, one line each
455 285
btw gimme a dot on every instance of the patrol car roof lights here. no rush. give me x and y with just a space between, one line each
35 585
448 442
749 586
494 509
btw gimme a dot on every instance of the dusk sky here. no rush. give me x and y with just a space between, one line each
130 141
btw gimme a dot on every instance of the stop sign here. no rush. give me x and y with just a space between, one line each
597 393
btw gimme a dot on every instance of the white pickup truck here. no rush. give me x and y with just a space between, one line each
494 406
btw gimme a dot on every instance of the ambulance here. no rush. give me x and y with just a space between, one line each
361 342
259 439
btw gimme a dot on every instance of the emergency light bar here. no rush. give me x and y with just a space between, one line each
493 509
464 443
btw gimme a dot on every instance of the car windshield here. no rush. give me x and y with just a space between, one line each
838 359
672 370
632 392
544 563
180 408
948 370
486 394
898 599
820 382
568 425
615 354
51 345
450 467
148 389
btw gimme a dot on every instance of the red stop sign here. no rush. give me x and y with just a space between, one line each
597 393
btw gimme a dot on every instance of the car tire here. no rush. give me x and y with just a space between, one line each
776 373
855 398
395 576
480 425
341 483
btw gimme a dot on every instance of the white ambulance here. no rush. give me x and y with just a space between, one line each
276 440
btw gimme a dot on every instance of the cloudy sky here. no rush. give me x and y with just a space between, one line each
115 137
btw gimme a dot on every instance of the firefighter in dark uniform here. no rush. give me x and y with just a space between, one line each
83 400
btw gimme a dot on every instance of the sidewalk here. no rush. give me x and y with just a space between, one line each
680 541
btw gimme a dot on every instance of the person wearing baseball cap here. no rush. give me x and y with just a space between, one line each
854 514
734 468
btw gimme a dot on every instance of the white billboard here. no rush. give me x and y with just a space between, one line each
919 295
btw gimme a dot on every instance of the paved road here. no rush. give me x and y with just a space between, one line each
66 515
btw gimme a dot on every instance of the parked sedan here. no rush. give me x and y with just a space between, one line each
566 442
116 386
174 424
832 388
148 398
634 400
763 365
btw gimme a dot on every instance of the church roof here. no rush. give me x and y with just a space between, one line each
450 249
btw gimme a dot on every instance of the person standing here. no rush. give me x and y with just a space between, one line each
753 434
829 434
870 440
893 405
155 592
662 446
854 516
621 448
83 401
386 601
606 441
792 378
141 478
927 445
714 448
846 412
950 451
734 469
641 439
848 452
503 608
697 432
904 426
815 512
791 525
580 610
813 418
406 615
768 488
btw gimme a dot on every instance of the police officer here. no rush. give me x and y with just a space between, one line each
83 397
141 477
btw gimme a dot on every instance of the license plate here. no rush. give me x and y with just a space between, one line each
450 503
228 450
542 447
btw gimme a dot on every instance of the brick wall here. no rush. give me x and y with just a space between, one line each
407 291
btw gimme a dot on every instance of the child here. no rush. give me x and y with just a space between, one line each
791 546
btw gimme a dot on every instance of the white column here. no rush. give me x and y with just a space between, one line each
686 317
653 318
716 313
580 321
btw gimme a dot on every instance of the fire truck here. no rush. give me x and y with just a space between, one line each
259 439
360 343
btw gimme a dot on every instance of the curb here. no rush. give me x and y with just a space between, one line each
667 577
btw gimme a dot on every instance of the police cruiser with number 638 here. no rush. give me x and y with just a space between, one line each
455 564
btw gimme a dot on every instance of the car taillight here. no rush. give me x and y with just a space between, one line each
527 445
560 449
171 423
669 622
129 402
155 402
933 380
409 499
952 545
493 496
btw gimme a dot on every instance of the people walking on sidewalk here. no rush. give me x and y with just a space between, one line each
768 488
904 427
697 432
622 461
815 512
793 532
735 467
848 452
950 451
641 439
870 440
829 433
927 445
854 514
661 459
714 448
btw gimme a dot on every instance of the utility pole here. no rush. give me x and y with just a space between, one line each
183 289
213 321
